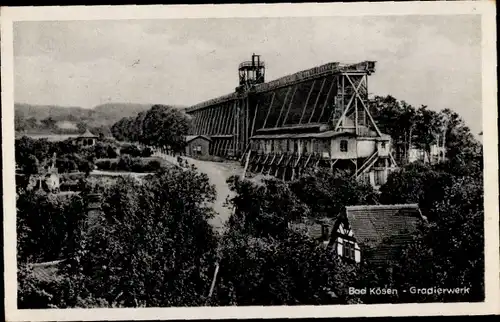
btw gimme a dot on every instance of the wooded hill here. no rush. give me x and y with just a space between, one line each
68 119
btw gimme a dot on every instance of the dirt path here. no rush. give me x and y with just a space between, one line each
218 173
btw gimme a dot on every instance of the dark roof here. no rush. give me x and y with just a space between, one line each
46 272
87 134
190 138
312 227
383 228
326 134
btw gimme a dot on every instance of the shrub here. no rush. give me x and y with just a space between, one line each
131 150
147 152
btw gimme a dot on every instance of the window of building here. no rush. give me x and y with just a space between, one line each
382 145
198 149
324 232
349 250
343 146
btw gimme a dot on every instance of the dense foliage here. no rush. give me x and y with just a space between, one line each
44 222
326 193
128 164
421 127
35 155
160 126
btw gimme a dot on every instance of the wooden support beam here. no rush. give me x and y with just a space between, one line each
227 112
289 104
227 118
227 144
326 100
214 121
297 162
230 120
269 110
317 99
272 160
333 163
195 123
347 108
246 113
283 105
246 165
317 161
210 120
253 121
207 120
202 121
366 108
217 148
219 120
279 162
307 162
236 138
276 172
307 101
356 116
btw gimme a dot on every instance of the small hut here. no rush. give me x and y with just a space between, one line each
86 139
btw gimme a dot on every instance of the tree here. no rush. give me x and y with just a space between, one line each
398 119
165 126
294 270
49 122
263 209
327 193
159 232
428 126
415 183
43 222
262 261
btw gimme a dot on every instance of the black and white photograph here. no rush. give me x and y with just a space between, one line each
250 157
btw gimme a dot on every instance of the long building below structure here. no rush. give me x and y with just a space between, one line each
314 118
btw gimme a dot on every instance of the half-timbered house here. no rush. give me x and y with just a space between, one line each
375 233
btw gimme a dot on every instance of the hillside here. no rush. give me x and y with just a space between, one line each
69 119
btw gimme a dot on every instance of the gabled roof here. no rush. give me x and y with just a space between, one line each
87 134
46 272
190 138
383 228
314 227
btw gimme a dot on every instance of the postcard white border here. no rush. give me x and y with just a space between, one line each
490 139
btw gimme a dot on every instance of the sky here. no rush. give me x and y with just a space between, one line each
423 60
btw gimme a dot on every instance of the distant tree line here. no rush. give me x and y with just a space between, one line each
421 127
161 126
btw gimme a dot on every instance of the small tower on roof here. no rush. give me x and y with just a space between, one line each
252 72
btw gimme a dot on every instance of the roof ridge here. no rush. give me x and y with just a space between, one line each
383 206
